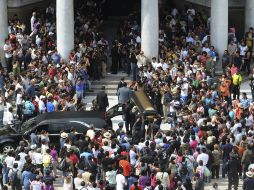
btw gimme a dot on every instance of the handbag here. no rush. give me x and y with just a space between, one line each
207 172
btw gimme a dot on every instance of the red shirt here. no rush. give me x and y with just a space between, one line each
126 167
74 159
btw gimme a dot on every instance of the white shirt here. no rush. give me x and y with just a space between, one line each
90 133
42 106
9 118
77 182
204 157
9 161
184 89
120 182
243 50
189 39
22 157
32 22
7 48
132 157
207 50
37 158
163 177
164 66
19 99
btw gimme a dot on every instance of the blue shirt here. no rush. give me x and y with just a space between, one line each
245 103
50 107
80 87
86 155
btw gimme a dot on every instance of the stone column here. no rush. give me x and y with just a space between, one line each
219 28
150 28
249 14
3 28
65 27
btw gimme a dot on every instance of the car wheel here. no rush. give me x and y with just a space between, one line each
7 147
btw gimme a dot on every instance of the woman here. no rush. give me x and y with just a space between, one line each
37 184
67 185
225 87
143 179
54 155
27 177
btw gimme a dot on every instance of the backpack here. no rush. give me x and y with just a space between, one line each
46 160
184 169
63 165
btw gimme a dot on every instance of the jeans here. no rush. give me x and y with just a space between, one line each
224 163
134 71
19 111
1 118
80 94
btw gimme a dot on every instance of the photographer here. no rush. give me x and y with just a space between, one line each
252 84
133 61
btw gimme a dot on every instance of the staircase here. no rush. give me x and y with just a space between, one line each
110 82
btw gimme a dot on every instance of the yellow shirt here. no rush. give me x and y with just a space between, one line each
237 79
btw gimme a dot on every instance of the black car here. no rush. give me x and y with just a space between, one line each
53 123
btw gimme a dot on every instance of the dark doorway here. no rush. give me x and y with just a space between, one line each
120 7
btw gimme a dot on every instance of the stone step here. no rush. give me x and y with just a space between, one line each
108 86
110 92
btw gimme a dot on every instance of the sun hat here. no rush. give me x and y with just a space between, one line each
249 174
107 135
64 135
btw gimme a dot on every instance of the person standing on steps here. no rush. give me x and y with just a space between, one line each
102 100
134 67
123 94
115 57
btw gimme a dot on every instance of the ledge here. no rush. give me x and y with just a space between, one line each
21 3
207 3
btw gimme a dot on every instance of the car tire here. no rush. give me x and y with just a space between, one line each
6 147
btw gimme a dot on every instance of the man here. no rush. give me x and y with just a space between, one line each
123 94
8 54
226 149
225 61
203 156
115 57
120 84
102 100
1 108
247 158
233 168
249 36
248 183
10 117
245 101
237 80
33 18
252 84
232 48
199 185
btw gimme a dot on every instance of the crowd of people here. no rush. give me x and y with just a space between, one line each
210 124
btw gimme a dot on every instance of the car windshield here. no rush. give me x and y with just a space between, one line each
27 125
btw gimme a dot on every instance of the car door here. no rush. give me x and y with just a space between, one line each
54 131
114 111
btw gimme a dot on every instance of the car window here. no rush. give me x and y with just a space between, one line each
55 128
40 128
28 125
80 126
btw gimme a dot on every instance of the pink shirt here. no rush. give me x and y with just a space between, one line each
233 70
